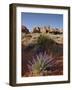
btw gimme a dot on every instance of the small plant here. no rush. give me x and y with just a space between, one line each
39 64
44 42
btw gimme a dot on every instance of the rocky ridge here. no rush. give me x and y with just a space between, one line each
31 37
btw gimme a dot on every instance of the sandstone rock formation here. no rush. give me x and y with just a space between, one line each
56 31
43 29
36 30
47 29
25 29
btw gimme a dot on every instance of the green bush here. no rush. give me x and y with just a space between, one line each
44 41
39 63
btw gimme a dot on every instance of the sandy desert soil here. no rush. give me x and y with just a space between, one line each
30 49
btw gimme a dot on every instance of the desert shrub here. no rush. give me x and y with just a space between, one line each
39 63
44 42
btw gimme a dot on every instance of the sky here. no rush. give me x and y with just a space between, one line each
31 20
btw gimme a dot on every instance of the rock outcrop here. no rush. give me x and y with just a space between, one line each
46 29
56 31
25 29
36 30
